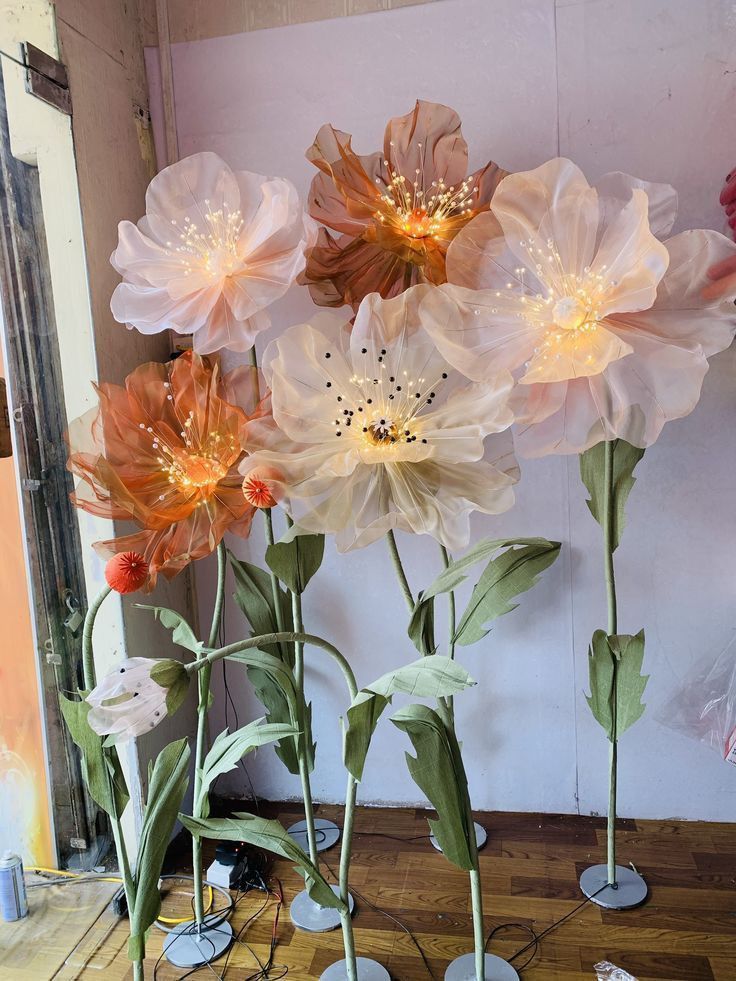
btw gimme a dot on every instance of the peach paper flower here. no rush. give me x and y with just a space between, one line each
603 325
163 453
214 250
395 211
376 431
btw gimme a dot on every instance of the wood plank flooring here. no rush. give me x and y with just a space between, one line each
530 867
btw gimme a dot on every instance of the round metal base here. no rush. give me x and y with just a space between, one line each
308 915
328 834
185 946
481 837
630 889
497 969
368 970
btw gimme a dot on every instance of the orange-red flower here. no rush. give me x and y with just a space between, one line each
126 572
258 489
163 452
395 211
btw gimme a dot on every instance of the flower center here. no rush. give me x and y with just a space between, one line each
382 431
416 210
570 313
197 471
212 246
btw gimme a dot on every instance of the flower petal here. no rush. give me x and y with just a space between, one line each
428 140
616 188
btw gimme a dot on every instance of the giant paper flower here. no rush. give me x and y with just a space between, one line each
215 248
604 325
395 211
381 432
135 697
162 452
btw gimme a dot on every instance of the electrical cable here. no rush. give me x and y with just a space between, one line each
219 914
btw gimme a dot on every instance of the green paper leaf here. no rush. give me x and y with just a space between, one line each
271 696
273 837
254 596
295 562
101 766
173 676
439 773
592 472
229 748
167 784
429 677
513 572
182 634
619 658
421 626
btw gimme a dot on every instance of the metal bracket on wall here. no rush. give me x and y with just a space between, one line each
46 78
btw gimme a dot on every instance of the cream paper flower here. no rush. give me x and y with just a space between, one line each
380 431
603 325
128 702
214 250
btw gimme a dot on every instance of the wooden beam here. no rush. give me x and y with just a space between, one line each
167 82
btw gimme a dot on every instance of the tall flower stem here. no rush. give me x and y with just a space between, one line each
608 549
294 637
445 711
90 680
204 679
452 621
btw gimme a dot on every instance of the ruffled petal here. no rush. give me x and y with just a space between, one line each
427 140
615 190
565 354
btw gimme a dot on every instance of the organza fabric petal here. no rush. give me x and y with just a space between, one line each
607 329
394 213
213 252
162 452
127 702
376 431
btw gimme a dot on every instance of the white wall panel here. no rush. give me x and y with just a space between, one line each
616 85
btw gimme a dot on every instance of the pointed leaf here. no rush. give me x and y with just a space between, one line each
296 561
254 595
429 677
101 767
421 625
615 662
229 748
166 788
273 837
438 771
513 572
182 634
592 471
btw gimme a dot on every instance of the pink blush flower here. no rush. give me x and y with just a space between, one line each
214 250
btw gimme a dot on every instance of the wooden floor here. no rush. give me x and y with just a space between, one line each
685 932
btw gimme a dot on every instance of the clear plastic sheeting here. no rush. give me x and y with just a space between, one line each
704 705
605 971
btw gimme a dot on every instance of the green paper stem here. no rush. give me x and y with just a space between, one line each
608 549
90 680
346 919
302 751
202 709
447 559
400 574
88 658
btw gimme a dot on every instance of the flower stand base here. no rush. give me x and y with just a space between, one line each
185 946
368 970
328 834
497 969
481 837
310 916
630 889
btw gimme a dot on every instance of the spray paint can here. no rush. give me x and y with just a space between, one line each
13 898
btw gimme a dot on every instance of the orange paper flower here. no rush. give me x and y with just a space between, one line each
126 572
163 454
395 211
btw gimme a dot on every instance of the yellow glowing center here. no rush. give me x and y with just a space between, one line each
382 431
198 471
212 247
418 224
570 313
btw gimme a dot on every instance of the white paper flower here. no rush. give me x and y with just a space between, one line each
604 326
381 432
214 250
128 702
